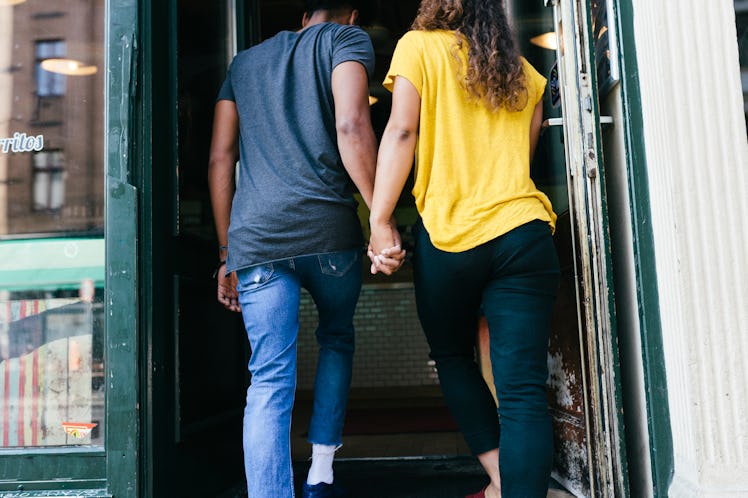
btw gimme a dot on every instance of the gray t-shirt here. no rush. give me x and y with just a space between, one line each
294 197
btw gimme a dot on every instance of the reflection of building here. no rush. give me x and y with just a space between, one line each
61 186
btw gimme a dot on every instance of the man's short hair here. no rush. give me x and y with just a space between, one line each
312 6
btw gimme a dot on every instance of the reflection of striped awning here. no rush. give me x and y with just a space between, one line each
49 264
45 390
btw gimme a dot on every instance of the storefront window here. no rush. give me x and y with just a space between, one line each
51 223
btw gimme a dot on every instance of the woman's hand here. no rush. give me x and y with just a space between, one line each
385 248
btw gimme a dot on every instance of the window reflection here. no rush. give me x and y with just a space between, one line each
51 223
51 373
49 83
49 180
48 190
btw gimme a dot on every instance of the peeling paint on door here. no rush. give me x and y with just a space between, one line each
565 374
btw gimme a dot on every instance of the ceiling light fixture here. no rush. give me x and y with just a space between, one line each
546 40
69 67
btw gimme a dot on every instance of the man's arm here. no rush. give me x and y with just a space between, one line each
356 141
224 152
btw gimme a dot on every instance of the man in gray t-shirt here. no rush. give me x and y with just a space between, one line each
294 111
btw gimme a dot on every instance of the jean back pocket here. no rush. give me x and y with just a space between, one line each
338 263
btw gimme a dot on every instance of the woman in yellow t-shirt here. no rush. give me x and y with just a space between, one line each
470 107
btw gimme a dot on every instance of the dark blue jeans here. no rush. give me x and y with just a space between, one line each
513 279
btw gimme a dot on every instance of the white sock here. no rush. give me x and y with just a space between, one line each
321 468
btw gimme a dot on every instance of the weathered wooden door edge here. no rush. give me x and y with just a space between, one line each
591 240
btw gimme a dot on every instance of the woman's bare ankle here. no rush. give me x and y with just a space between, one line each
493 492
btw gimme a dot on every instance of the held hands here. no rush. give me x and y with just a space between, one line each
227 294
385 248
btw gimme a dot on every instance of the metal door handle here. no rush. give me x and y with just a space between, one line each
552 122
604 120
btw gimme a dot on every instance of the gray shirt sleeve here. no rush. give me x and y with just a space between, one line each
227 90
353 44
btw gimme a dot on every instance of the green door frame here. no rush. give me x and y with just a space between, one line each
588 205
653 359
122 252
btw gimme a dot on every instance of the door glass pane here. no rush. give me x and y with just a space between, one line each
51 223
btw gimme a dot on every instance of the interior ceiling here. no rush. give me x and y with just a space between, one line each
396 16
529 18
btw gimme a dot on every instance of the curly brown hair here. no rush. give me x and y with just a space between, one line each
494 70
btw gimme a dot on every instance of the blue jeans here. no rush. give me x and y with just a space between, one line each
514 279
269 296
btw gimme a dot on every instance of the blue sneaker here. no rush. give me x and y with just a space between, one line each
324 490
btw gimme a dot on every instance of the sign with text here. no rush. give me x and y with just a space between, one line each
20 142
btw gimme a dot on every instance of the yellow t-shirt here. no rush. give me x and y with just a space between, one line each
472 179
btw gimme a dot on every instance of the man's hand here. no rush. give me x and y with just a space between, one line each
385 248
388 261
227 294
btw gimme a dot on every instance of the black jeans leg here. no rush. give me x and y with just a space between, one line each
514 278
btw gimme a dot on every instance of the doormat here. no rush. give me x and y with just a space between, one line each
368 421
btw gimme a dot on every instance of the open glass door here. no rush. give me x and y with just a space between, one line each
68 418
578 65
195 368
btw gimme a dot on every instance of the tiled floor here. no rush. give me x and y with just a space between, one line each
414 465
435 477
443 477
381 445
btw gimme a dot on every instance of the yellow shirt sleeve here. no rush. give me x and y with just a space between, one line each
535 81
406 62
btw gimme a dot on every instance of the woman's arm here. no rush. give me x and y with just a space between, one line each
535 125
394 162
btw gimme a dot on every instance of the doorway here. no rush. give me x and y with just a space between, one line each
197 355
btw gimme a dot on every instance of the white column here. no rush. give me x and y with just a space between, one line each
697 161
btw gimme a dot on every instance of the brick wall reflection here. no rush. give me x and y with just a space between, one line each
60 188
